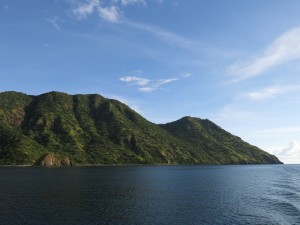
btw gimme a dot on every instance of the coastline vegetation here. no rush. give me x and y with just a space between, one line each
91 129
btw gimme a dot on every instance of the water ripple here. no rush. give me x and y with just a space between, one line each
164 195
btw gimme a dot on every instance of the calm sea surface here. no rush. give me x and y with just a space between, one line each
183 195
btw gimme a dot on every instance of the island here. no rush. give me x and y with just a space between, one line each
58 129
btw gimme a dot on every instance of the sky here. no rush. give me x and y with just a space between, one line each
234 62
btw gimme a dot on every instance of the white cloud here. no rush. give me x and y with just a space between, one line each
109 10
285 48
135 80
84 9
55 22
112 11
271 92
146 85
132 2
293 150
165 81
110 14
147 89
187 74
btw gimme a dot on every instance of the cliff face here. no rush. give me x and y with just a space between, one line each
89 129
53 160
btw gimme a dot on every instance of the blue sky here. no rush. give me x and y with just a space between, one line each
234 62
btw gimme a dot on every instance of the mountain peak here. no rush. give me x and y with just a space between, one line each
93 129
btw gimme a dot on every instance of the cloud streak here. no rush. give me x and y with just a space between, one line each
112 11
186 75
55 22
271 92
132 2
147 85
135 80
162 34
285 48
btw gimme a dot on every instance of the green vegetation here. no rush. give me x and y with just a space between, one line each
90 129
218 145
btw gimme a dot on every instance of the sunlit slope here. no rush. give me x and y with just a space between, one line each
220 145
91 129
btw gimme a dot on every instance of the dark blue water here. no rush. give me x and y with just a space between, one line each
151 195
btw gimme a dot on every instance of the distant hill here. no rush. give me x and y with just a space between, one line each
220 146
91 129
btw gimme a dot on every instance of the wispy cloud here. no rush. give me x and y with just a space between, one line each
110 14
109 10
147 85
135 80
132 2
187 74
163 34
82 9
271 92
285 48
54 21
181 41
293 150
113 11
166 81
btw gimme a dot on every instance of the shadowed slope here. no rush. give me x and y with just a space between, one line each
92 129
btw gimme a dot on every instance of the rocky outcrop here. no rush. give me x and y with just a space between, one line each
53 160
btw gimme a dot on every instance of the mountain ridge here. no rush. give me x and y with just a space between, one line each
92 129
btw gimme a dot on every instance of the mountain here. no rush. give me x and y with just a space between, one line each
220 146
91 129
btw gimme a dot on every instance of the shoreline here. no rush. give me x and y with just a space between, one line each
127 165
15 166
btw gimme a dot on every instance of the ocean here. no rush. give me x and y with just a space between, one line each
162 195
